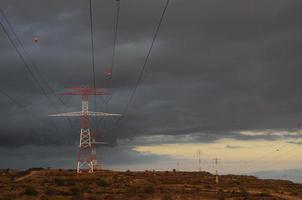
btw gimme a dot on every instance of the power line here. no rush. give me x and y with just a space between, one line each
116 19
282 158
279 157
269 153
110 72
24 62
92 49
32 63
145 62
25 109
23 59
277 149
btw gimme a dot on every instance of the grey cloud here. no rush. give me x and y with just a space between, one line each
233 147
65 157
293 142
217 67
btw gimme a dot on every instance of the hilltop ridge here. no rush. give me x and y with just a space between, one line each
149 185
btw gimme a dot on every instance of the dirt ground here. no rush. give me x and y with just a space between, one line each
44 184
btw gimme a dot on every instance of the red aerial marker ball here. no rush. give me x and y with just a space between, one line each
109 73
35 39
299 126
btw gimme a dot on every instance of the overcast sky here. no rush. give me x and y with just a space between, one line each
222 75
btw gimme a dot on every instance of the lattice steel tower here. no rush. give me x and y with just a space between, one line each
86 150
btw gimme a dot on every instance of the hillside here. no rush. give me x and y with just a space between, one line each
111 185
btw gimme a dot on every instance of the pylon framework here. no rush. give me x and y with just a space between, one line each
216 170
86 159
199 160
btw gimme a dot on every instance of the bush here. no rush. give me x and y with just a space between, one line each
70 182
75 191
221 195
244 193
86 181
141 188
264 194
30 190
59 182
93 197
293 193
35 169
102 183
43 197
166 197
148 188
64 182
50 191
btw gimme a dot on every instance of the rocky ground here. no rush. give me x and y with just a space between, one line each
111 185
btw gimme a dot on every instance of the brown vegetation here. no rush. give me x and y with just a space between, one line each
109 185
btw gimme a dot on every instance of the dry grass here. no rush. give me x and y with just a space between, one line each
109 185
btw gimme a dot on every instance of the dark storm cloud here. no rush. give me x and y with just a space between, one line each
64 156
217 67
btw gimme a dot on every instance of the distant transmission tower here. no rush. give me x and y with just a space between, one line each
177 168
86 151
216 170
199 160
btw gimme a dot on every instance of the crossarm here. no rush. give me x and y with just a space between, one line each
79 114
102 114
69 114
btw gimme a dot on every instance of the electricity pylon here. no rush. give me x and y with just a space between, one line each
86 150
216 170
199 160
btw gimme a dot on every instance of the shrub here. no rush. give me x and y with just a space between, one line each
264 194
93 197
208 187
244 193
75 191
35 169
50 191
43 197
59 182
166 197
294 193
70 182
102 183
148 188
64 182
221 194
141 188
22 173
86 181
30 190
